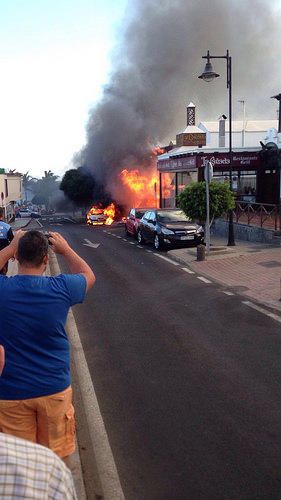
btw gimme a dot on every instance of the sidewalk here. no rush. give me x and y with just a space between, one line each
252 269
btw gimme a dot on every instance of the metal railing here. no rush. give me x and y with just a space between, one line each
264 215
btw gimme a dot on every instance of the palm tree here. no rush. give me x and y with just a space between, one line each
27 182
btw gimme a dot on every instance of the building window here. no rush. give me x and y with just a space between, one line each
185 178
168 190
244 183
182 181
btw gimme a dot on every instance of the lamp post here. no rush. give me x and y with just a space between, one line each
209 75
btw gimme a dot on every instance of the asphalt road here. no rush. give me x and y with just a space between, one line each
187 378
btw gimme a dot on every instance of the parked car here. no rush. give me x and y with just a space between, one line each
26 213
133 221
169 228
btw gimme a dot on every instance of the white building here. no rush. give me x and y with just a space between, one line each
244 134
10 191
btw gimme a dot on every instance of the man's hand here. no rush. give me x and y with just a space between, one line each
10 251
58 243
15 241
76 264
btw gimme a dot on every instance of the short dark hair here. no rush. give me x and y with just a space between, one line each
32 248
1 212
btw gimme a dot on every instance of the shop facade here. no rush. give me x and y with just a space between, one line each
252 180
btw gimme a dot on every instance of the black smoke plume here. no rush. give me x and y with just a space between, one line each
155 66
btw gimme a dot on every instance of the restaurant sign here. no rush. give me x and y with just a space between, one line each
218 160
223 160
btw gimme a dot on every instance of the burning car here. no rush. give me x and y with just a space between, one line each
98 216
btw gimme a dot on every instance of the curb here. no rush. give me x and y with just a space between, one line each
107 470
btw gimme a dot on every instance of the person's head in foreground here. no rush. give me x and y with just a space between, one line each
32 251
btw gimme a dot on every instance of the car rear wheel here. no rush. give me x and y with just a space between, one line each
157 242
140 238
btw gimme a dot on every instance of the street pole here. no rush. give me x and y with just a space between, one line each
208 75
208 238
231 241
208 174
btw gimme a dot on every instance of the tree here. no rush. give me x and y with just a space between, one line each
28 183
82 189
192 200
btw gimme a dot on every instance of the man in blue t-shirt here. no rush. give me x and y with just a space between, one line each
35 390
6 236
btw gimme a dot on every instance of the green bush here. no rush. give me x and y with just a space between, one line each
192 200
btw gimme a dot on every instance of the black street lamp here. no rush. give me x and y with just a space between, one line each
209 75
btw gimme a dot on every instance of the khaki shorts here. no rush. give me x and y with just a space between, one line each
48 420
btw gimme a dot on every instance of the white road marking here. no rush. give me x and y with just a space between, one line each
166 258
139 246
90 244
149 251
124 239
187 270
263 311
132 243
119 237
39 223
228 293
203 279
70 220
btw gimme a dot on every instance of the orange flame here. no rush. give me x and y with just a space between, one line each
144 186
142 182
158 151
110 212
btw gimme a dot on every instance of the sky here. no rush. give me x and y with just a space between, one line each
54 60
124 69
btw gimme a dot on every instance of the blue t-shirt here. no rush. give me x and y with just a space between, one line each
6 234
33 312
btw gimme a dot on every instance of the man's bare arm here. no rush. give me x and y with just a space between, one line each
76 264
9 251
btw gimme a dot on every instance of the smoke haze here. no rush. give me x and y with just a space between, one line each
155 69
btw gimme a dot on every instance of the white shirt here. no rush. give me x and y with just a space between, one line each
30 471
